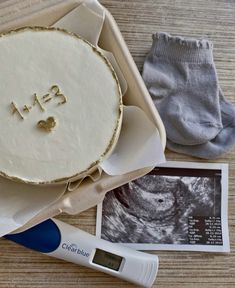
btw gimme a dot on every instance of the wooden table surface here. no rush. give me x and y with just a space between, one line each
137 20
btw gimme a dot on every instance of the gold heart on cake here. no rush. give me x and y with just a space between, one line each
48 124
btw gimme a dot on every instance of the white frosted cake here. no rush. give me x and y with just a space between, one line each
60 106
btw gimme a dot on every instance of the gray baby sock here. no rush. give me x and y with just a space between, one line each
181 78
220 144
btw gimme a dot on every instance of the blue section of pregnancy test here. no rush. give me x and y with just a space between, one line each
44 237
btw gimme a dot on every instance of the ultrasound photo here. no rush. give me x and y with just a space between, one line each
169 207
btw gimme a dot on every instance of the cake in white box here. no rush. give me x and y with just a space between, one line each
60 106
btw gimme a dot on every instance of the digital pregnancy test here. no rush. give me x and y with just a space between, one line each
66 242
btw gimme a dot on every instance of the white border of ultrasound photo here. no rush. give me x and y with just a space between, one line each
188 247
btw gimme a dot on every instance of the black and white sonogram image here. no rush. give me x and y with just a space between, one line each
167 206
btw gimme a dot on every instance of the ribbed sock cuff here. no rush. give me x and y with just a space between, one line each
180 49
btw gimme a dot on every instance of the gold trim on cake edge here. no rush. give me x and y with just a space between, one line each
116 131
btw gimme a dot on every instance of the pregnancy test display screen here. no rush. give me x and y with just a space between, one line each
107 259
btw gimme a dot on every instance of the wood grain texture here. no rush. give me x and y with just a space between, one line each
137 20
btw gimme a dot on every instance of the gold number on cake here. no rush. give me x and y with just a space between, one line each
57 92
37 101
15 109
53 91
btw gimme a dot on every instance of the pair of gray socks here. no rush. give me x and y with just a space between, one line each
181 77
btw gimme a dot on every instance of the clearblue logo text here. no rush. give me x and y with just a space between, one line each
73 248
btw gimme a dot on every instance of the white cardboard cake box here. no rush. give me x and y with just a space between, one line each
16 13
